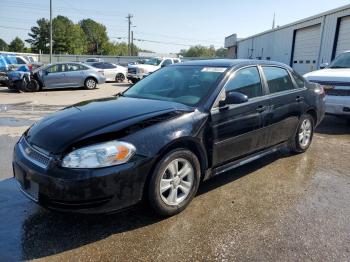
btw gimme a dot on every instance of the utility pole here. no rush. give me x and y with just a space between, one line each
132 43
274 21
50 31
129 28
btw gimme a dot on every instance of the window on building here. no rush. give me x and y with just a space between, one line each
277 79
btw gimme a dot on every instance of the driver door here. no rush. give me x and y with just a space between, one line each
54 76
237 129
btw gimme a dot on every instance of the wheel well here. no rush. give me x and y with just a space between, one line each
313 113
185 144
91 77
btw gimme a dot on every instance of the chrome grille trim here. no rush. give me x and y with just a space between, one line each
33 154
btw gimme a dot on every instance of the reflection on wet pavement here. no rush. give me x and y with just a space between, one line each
283 207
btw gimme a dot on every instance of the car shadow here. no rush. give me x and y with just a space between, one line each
332 125
44 233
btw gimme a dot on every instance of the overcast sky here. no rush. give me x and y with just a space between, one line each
177 23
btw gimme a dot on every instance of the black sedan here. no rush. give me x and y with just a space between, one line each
160 138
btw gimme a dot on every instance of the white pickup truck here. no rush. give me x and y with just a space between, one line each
139 71
335 79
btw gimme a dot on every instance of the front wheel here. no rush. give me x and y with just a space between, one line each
303 137
174 182
90 83
119 78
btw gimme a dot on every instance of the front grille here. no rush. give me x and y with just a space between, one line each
337 92
132 70
33 154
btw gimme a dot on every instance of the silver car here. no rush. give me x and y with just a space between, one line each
64 75
112 72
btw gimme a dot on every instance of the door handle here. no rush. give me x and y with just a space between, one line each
299 98
261 109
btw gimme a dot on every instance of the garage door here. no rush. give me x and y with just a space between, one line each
343 43
306 47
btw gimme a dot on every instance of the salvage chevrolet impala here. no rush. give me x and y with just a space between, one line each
159 139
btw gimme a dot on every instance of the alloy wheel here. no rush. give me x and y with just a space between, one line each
305 133
176 182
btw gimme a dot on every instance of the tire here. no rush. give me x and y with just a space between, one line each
32 86
302 139
90 83
178 190
119 78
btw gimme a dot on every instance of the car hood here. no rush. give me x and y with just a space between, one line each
148 68
82 121
329 75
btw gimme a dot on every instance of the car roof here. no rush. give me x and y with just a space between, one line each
231 62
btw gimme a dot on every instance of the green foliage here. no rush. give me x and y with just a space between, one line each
202 51
40 35
86 37
3 45
96 36
16 45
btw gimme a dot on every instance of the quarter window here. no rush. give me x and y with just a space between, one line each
246 81
299 80
278 79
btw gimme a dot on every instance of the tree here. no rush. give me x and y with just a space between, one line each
3 45
68 38
221 52
16 45
95 35
40 35
199 51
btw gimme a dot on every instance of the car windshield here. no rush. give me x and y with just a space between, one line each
341 61
154 61
182 84
11 60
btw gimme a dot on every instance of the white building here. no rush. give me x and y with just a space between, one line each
303 45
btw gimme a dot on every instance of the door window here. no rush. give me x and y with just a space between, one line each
20 61
246 81
73 67
277 79
57 68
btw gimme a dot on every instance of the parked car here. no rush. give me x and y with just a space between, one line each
139 71
4 69
21 79
91 61
17 61
64 75
335 79
112 72
160 138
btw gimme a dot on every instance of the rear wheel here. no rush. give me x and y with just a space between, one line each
174 182
119 78
90 83
303 137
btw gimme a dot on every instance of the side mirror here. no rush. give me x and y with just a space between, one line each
46 73
324 65
234 98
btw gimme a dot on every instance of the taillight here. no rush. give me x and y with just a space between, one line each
30 66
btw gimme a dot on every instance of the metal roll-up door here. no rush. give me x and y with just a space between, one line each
306 48
343 43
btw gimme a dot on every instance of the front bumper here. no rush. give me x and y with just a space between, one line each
100 190
338 105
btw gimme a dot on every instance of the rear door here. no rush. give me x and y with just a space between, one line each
287 102
238 129
110 71
74 75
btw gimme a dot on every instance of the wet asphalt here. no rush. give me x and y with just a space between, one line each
282 207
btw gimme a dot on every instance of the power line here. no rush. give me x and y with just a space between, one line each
18 28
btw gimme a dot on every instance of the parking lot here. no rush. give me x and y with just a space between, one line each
282 207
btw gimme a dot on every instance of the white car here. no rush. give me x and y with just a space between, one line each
335 79
139 71
112 72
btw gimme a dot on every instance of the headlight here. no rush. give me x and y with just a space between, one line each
142 71
99 155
